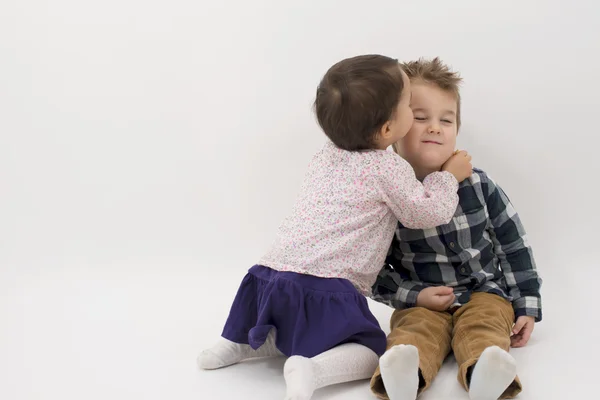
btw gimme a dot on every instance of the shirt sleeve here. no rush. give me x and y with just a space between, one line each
419 205
516 257
393 291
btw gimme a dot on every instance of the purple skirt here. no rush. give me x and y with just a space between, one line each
310 314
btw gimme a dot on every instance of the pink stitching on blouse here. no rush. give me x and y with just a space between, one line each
346 214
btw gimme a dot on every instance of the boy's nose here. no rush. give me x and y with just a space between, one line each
434 129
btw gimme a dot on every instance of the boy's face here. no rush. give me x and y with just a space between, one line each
432 138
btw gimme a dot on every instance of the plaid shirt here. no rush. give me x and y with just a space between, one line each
483 249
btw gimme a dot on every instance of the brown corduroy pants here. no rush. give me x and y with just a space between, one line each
486 320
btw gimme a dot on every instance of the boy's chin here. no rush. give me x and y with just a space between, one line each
432 162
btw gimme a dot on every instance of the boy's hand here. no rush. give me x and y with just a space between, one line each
522 331
436 298
459 165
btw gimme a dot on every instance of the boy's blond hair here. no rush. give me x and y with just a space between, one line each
437 73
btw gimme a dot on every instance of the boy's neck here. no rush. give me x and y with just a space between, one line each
422 172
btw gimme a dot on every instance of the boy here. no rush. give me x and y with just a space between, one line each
459 286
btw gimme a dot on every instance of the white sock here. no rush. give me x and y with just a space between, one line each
399 368
226 352
344 363
493 373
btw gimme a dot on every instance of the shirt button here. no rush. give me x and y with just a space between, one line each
452 244
463 270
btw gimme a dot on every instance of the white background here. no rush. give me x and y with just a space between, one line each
149 149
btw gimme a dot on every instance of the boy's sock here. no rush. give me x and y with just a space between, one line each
493 373
226 353
344 363
399 368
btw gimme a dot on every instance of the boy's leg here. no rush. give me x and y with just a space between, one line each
344 363
485 322
494 372
399 368
429 332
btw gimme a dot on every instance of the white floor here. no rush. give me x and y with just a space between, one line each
132 331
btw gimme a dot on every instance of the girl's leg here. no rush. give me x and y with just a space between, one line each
226 352
241 322
344 363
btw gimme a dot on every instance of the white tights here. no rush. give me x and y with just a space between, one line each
344 363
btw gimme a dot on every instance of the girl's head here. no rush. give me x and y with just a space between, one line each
364 103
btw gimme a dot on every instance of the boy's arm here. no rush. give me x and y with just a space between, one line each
391 290
515 254
419 205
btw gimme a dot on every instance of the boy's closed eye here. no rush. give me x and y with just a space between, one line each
446 121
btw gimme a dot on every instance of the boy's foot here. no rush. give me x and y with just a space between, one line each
299 374
399 368
493 373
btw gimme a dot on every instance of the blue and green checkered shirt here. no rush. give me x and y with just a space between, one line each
483 249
